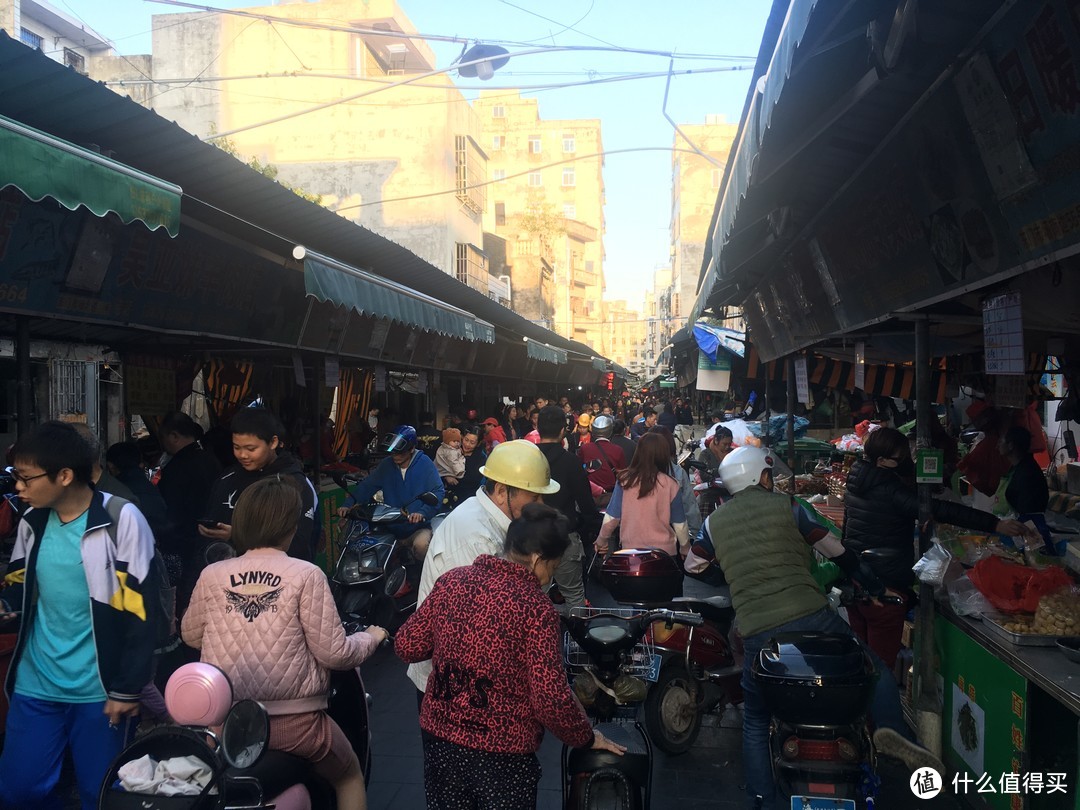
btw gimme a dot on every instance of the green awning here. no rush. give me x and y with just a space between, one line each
545 353
368 294
40 166
599 364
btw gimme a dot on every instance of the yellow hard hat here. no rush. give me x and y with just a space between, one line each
585 420
521 465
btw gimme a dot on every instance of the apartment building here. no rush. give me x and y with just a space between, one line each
695 184
53 31
402 160
546 199
626 335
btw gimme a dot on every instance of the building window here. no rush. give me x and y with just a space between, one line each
75 60
536 144
569 211
568 177
498 174
500 213
30 38
470 174
471 267
536 179
498 111
569 143
498 142
716 176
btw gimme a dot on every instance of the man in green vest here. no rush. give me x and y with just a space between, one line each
764 546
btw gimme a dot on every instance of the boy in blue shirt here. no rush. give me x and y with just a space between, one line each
81 588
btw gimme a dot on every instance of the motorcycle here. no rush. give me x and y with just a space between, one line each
606 654
376 580
818 687
227 744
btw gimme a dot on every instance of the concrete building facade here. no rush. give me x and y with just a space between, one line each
53 31
695 183
402 160
546 198
626 335
660 323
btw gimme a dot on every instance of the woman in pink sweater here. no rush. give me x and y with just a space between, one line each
269 622
647 503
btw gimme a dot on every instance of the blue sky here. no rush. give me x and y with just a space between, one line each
638 184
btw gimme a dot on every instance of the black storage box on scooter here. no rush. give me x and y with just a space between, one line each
642 576
823 679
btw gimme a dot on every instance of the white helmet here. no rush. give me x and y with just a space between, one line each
742 468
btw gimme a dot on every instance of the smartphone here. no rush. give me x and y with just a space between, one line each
208 523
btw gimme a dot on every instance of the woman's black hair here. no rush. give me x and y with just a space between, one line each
541 529
885 443
1019 438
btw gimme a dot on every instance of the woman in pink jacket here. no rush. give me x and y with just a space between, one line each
269 622
647 502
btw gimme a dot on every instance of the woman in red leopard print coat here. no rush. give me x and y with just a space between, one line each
497 680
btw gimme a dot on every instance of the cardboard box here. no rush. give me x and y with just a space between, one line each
1072 477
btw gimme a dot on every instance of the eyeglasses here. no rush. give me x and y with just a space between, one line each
26 479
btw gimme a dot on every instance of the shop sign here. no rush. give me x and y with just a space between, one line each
714 376
1010 391
298 370
802 382
150 385
1003 334
929 466
332 372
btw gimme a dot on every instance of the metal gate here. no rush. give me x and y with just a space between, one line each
67 390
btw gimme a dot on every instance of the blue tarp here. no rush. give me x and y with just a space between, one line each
711 338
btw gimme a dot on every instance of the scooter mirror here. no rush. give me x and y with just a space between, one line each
218 551
245 734
430 498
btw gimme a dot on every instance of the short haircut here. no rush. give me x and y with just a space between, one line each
551 422
180 422
124 455
885 443
541 530
647 412
1020 439
55 446
490 484
619 428
266 513
257 422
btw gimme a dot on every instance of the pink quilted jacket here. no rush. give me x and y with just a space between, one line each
269 622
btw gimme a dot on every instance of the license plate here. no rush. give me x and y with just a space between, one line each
821 803
653 675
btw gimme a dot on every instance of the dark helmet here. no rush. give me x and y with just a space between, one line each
603 427
402 440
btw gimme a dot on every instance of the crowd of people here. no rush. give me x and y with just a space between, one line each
533 492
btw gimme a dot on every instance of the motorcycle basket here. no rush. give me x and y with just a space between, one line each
637 663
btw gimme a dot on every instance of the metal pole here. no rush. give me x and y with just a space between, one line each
316 409
791 413
23 387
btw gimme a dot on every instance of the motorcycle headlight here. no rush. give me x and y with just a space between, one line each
348 567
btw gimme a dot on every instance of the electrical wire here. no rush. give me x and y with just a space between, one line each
470 186
565 28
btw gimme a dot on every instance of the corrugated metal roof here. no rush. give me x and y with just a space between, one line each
44 94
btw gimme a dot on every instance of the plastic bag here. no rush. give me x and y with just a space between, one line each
1015 588
965 599
931 567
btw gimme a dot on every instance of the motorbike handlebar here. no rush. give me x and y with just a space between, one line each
673 617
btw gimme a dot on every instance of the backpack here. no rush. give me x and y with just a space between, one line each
162 609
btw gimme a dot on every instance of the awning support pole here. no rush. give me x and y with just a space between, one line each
23 387
316 411
927 701
791 415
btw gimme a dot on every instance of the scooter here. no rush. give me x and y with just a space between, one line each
818 688
606 653
229 766
376 580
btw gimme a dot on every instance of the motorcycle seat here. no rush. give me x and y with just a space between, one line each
714 608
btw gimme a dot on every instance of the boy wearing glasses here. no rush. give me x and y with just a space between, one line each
80 587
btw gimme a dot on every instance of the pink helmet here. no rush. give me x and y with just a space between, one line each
198 694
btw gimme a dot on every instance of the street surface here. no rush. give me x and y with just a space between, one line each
707 776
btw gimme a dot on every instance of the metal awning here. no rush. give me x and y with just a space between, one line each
545 353
326 279
40 166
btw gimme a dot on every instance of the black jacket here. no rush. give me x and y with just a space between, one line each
235 480
574 498
626 444
1027 491
667 419
880 511
185 485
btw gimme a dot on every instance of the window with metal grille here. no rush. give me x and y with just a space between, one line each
75 60
30 38
67 388
471 267
471 166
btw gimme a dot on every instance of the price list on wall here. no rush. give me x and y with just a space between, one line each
1003 334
